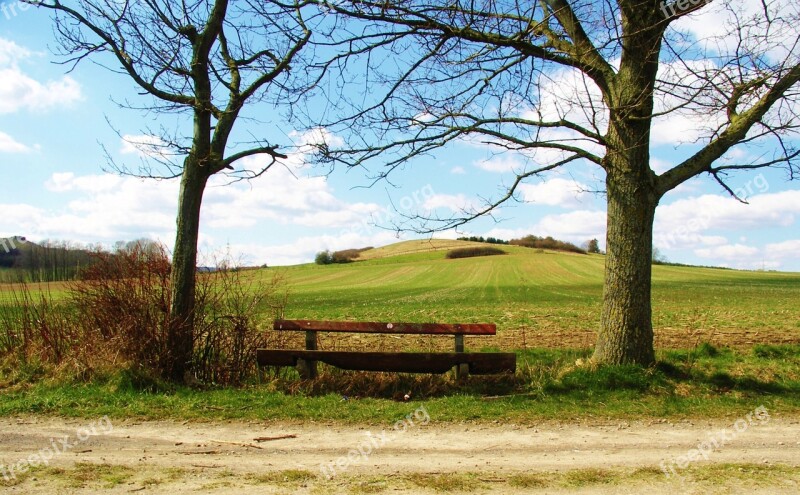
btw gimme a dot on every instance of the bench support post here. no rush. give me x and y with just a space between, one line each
308 369
462 370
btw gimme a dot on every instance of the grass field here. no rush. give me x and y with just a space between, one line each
537 298
546 306
544 299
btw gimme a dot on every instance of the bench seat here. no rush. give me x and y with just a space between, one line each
479 363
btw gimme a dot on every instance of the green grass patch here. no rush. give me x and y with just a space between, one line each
549 384
447 482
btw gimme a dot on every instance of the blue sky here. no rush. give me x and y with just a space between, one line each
54 126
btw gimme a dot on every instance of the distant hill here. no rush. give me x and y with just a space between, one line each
417 246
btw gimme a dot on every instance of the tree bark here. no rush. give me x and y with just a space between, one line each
626 332
180 338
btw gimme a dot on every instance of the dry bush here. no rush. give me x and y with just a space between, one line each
232 304
34 327
124 299
116 318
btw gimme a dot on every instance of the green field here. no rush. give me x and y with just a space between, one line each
546 306
548 299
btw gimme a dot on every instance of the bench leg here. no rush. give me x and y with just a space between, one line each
306 368
462 370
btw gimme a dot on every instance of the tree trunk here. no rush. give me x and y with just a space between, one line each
180 338
626 332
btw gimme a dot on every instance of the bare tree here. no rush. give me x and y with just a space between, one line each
560 83
203 59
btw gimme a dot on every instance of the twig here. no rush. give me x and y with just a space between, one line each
270 439
493 397
250 445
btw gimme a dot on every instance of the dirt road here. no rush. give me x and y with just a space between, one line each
757 454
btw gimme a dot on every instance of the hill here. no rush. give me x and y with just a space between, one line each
541 297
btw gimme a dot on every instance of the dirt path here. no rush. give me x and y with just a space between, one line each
420 456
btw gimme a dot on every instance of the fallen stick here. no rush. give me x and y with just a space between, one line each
249 445
270 439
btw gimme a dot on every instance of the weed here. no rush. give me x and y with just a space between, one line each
289 476
447 482
535 480
587 477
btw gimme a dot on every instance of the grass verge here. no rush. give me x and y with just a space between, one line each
717 476
704 382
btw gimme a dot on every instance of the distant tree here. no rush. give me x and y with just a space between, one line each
593 246
323 258
658 257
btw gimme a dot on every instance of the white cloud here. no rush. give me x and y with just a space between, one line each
730 252
108 208
722 212
500 164
67 181
556 192
458 171
713 24
304 248
576 227
783 250
19 91
454 202
282 196
9 145
146 146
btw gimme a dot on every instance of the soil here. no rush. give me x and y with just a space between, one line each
263 457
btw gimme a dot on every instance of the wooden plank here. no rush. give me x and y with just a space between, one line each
480 363
462 370
308 369
387 327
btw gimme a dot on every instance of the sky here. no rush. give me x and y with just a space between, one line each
58 128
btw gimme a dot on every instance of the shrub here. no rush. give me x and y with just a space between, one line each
231 305
345 256
472 252
323 258
488 240
532 241
125 298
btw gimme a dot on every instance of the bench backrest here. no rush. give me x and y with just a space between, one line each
377 327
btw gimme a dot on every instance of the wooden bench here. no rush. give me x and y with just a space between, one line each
477 363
